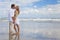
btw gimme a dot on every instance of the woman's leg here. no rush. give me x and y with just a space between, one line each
18 28
15 28
17 25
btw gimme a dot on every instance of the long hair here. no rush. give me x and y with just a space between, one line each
18 9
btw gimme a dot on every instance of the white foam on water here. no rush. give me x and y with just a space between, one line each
36 20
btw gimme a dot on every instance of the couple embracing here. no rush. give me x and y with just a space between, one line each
13 19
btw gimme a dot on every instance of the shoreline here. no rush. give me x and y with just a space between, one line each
57 20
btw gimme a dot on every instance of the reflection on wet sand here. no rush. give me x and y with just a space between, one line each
14 37
13 32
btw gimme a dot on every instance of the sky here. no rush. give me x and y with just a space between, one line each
32 8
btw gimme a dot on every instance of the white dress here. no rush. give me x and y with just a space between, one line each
16 15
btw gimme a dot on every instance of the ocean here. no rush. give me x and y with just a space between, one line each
33 30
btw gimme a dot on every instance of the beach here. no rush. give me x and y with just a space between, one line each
33 30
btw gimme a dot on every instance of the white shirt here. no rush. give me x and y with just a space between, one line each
11 14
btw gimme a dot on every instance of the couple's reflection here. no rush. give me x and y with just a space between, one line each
14 34
14 37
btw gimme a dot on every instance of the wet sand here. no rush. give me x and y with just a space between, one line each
31 30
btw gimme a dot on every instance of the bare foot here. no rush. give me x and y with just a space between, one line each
17 33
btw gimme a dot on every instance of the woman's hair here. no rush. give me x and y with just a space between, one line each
17 8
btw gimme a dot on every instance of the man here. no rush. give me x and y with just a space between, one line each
11 17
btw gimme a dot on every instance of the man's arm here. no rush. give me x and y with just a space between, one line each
14 17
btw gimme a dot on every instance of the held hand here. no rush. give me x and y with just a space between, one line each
13 18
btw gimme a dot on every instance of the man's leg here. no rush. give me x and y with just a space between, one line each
10 26
10 30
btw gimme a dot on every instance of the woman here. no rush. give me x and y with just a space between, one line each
15 19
